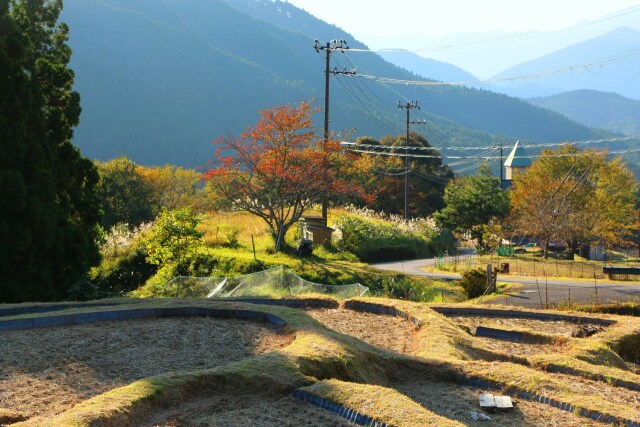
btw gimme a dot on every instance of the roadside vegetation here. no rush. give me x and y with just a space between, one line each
530 262
237 243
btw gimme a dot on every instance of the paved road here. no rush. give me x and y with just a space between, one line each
532 292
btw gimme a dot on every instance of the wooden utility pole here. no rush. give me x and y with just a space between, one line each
328 48
408 106
500 146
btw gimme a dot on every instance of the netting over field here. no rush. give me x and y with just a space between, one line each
275 282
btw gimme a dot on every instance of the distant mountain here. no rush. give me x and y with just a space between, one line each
621 47
427 68
486 54
602 110
160 79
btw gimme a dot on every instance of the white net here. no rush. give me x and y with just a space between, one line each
275 282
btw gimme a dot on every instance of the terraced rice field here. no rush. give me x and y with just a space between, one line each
388 361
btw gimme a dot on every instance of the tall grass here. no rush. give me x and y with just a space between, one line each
375 238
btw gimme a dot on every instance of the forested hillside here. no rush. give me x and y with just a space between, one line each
596 109
160 79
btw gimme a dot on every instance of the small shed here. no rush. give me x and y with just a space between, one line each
315 228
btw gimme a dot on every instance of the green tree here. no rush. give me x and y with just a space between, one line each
472 203
173 237
48 205
172 187
126 197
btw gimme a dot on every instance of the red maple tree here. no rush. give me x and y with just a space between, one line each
279 168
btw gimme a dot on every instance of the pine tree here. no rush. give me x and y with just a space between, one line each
48 207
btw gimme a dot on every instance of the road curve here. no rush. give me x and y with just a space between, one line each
532 291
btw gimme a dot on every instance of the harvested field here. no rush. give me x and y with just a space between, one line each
457 403
583 386
550 327
46 371
250 410
522 348
389 332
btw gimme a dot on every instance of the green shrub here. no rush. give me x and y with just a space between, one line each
375 241
83 290
403 287
232 237
125 273
474 282
173 237
197 265
158 286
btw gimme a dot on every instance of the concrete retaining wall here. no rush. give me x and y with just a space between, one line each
291 303
17 311
344 412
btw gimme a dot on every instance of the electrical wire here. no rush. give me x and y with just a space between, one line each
427 156
509 37
546 145
631 54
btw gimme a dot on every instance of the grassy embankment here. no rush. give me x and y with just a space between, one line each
239 243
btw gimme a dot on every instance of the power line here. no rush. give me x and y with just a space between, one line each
546 145
378 105
509 37
359 97
429 156
631 54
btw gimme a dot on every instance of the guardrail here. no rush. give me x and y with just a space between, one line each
612 270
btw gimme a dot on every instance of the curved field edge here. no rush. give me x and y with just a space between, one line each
391 407
318 354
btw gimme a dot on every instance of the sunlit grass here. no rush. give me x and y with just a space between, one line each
529 264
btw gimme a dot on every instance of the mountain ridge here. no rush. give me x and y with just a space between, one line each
603 110
160 79
610 72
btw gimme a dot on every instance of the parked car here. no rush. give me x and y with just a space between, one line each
557 247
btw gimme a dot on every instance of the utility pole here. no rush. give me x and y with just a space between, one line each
408 106
328 48
500 146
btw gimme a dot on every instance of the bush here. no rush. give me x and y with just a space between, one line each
375 241
197 265
375 238
83 290
124 274
405 288
474 282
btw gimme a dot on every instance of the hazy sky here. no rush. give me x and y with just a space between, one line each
420 26
428 17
